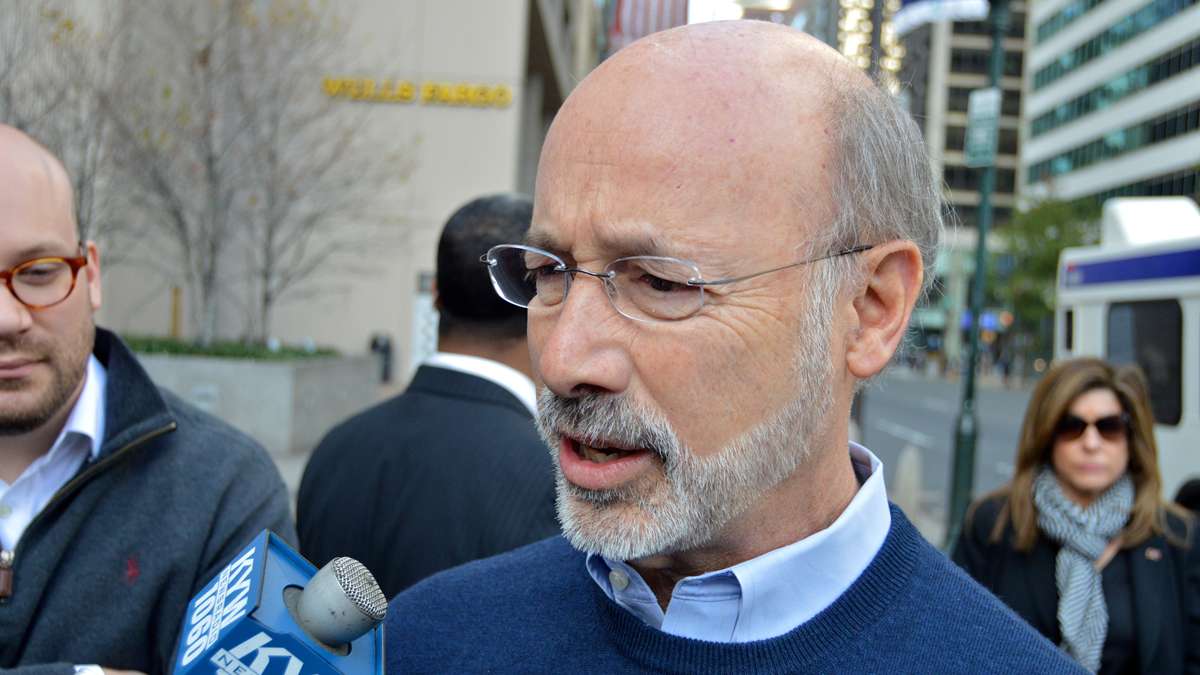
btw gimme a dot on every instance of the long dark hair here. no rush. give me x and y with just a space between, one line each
1051 399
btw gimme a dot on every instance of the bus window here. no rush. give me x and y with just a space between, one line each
1150 334
1069 330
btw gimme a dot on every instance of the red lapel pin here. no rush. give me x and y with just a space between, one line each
1153 554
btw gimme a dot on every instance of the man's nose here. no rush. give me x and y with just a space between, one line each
581 346
15 317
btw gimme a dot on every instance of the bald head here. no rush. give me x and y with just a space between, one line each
745 109
757 114
755 52
32 178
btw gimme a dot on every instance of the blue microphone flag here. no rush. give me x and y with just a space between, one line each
240 624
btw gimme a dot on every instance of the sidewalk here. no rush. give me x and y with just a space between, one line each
989 380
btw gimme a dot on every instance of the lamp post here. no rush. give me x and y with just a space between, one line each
967 429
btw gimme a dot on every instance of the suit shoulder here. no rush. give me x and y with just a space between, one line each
1182 525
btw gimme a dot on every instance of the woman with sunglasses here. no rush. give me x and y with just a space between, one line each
1080 543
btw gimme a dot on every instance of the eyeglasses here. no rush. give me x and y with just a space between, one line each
42 283
642 287
1112 427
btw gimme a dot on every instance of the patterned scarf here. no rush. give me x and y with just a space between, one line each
1083 534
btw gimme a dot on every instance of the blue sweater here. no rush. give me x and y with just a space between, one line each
536 610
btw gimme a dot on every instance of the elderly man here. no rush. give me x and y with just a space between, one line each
117 501
729 234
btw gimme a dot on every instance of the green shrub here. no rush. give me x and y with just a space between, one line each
223 349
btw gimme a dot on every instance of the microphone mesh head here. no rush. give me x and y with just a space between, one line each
360 586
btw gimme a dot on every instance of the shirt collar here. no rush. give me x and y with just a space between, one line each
512 380
774 592
87 416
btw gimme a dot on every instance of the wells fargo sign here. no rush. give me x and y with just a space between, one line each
425 93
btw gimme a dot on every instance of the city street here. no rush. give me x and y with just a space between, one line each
908 422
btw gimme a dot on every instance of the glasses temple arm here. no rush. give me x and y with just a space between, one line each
730 280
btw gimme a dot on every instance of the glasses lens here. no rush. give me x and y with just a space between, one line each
651 287
520 275
40 283
1111 427
1070 428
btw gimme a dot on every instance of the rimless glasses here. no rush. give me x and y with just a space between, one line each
642 287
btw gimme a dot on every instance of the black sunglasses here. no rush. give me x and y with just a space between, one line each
1112 427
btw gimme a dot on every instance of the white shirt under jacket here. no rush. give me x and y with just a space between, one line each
512 380
79 439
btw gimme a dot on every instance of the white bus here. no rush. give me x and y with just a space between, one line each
1135 298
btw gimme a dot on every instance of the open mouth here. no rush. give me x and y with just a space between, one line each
602 464
601 454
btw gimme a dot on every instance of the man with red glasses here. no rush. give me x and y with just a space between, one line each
730 228
117 500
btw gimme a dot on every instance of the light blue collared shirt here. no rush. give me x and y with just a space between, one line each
767 596
79 439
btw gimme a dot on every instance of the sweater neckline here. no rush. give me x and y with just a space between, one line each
867 599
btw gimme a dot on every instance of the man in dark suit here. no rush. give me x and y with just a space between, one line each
452 469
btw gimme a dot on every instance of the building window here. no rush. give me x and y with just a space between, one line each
424 322
1175 62
976 61
1010 102
968 216
1063 17
1069 330
1140 21
967 179
1150 334
1178 122
1176 184
956 139
1016 26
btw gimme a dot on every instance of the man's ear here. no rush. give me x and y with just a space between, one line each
883 305
93 274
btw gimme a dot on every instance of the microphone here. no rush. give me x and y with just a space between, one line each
270 611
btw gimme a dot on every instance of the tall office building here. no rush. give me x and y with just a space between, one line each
943 63
845 25
1112 99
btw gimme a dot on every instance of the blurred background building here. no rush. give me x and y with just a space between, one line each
527 53
1112 99
943 63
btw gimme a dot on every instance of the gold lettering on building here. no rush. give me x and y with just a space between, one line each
454 94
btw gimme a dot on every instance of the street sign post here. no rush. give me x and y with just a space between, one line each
986 104
983 122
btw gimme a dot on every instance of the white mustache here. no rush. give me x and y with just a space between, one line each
605 420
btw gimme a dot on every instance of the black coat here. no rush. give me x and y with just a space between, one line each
1165 582
449 471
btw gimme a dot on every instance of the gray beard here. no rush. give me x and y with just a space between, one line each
700 495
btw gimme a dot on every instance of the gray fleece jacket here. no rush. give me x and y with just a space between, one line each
104 573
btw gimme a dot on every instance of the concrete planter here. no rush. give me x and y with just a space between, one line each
287 406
